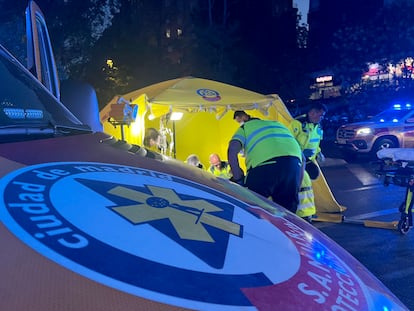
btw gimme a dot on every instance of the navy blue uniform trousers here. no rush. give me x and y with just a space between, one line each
278 178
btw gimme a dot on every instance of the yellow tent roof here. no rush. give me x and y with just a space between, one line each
190 94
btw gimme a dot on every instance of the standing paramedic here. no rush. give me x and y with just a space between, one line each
308 132
273 159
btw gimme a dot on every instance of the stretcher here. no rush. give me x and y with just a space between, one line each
396 166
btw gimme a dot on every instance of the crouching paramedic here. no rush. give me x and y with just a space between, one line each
273 160
218 167
308 132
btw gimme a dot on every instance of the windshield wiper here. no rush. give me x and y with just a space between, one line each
22 132
72 130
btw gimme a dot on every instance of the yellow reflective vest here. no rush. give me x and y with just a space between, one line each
306 206
224 172
265 139
309 136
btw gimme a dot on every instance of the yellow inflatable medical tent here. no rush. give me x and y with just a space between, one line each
195 116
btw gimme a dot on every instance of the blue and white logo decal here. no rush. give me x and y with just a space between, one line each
147 233
209 95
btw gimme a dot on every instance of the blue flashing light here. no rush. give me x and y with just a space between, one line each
34 114
402 106
14 113
20 113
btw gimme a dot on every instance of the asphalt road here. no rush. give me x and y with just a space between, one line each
387 253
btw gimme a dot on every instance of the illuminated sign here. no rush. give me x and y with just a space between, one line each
323 79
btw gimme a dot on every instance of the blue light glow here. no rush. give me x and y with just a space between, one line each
19 113
402 106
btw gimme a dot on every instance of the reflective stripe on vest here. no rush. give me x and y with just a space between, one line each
225 172
306 206
308 136
264 139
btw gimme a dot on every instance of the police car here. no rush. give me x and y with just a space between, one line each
392 128
89 222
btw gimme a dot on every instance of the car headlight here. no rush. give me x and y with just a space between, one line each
364 131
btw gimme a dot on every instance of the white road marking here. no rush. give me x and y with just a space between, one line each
364 176
374 214
369 187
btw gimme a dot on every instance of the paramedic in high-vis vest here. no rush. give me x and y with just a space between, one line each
219 167
273 159
308 132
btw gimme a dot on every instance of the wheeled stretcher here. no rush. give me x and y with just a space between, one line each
396 166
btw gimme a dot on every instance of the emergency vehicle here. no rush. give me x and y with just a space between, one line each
392 128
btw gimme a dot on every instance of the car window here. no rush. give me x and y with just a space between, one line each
40 58
24 101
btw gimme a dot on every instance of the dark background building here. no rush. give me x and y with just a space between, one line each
325 17
121 45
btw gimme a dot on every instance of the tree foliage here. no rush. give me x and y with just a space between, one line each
384 38
121 45
74 26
